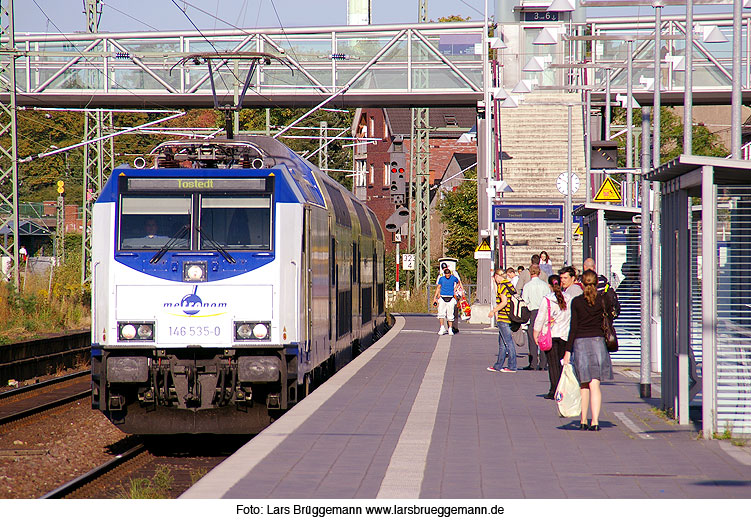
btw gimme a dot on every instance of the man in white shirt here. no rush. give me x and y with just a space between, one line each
525 277
533 293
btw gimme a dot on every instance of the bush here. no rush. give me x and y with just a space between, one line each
45 304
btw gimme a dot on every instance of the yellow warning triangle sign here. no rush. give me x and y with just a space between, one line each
483 246
578 230
608 192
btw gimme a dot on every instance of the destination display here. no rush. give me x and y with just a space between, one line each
196 184
527 213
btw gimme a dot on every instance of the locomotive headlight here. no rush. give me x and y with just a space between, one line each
252 330
260 331
194 272
145 332
128 331
135 331
243 331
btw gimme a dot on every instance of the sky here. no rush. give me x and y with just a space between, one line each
53 16
66 16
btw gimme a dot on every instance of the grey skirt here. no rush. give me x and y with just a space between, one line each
591 360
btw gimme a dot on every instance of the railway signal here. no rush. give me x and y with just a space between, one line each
398 186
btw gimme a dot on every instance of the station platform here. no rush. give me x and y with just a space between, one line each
418 416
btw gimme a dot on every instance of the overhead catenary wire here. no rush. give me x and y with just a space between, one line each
95 67
184 11
102 138
110 6
85 58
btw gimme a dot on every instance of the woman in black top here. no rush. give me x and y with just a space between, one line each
586 348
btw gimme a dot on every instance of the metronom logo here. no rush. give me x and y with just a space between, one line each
192 304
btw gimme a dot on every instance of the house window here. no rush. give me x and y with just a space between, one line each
360 173
372 174
386 175
385 130
372 127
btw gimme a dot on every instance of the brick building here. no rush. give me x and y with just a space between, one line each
385 141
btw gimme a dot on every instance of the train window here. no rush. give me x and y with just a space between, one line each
236 223
149 223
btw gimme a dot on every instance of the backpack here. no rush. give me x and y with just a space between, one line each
518 311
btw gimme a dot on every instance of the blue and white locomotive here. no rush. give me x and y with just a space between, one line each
226 281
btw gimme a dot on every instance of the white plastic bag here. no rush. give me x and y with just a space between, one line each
568 395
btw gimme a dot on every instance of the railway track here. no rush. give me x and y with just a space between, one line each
79 483
34 399
178 462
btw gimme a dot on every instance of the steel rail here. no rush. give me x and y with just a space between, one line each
94 473
42 407
43 384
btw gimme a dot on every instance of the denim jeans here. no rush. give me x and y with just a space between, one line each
506 346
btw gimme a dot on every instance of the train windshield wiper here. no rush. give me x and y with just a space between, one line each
219 248
170 244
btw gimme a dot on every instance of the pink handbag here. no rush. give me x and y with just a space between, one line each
545 340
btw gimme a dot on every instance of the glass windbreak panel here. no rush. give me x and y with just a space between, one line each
361 49
384 79
303 50
236 223
149 223
460 45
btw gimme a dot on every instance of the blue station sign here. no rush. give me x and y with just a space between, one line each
527 213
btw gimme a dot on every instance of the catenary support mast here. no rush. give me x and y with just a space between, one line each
98 157
421 172
9 158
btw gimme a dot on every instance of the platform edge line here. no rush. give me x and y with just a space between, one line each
230 471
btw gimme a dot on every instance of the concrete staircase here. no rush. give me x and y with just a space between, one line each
535 137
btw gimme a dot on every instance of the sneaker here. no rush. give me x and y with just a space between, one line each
451 331
442 331
490 368
508 370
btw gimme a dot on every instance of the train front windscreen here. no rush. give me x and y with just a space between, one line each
196 214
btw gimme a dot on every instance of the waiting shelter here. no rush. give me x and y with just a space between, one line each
706 291
611 234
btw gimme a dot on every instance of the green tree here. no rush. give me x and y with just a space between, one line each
38 131
458 212
454 18
704 142
339 157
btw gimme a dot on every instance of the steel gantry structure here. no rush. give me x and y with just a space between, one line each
382 66
376 66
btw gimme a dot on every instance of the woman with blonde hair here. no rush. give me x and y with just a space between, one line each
586 348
